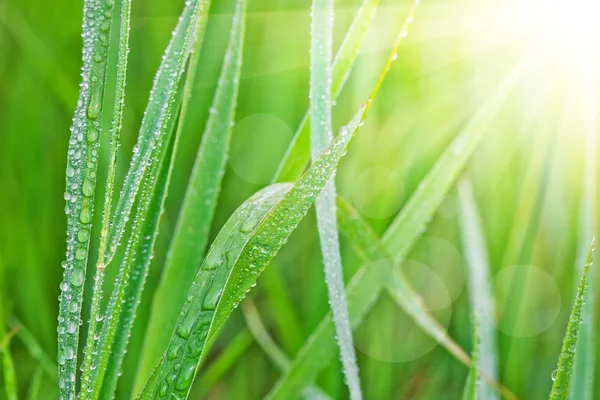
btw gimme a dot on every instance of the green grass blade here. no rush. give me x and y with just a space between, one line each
562 375
585 360
321 135
241 251
269 346
36 383
472 391
398 239
157 118
195 218
362 292
10 376
231 354
82 165
297 155
115 130
131 278
155 124
368 246
184 351
417 212
480 292
35 349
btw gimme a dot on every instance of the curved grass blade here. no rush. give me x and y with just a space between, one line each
472 391
562 375
397 240
243 248
585 360
10 376
185 348
82 165
480 292
115 130
297 154
320 136
269 346
195 218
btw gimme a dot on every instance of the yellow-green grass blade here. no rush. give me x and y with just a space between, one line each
297 155
562 375
480 292
398 239
187 247
582 387
36 383
241 251
82 165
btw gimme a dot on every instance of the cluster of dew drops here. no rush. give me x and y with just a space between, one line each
81 177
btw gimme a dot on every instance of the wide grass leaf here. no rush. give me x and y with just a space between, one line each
189 241
480 292
562 375
241 251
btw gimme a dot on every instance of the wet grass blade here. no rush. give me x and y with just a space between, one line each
241 251
397 240
480 292
153 182
115 131
320 136
472 391
188 246
297 155
81 171
562 375
585 360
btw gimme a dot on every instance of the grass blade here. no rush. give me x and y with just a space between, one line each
297 155
82 165
562 375
195 218
155 125
243 248
471 391
398 239
480 292
35 349
321 135
36 383
227 359
269 346
585 361
115 130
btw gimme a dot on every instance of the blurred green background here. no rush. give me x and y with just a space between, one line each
526 174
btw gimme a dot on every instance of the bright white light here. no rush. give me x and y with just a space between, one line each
571 28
